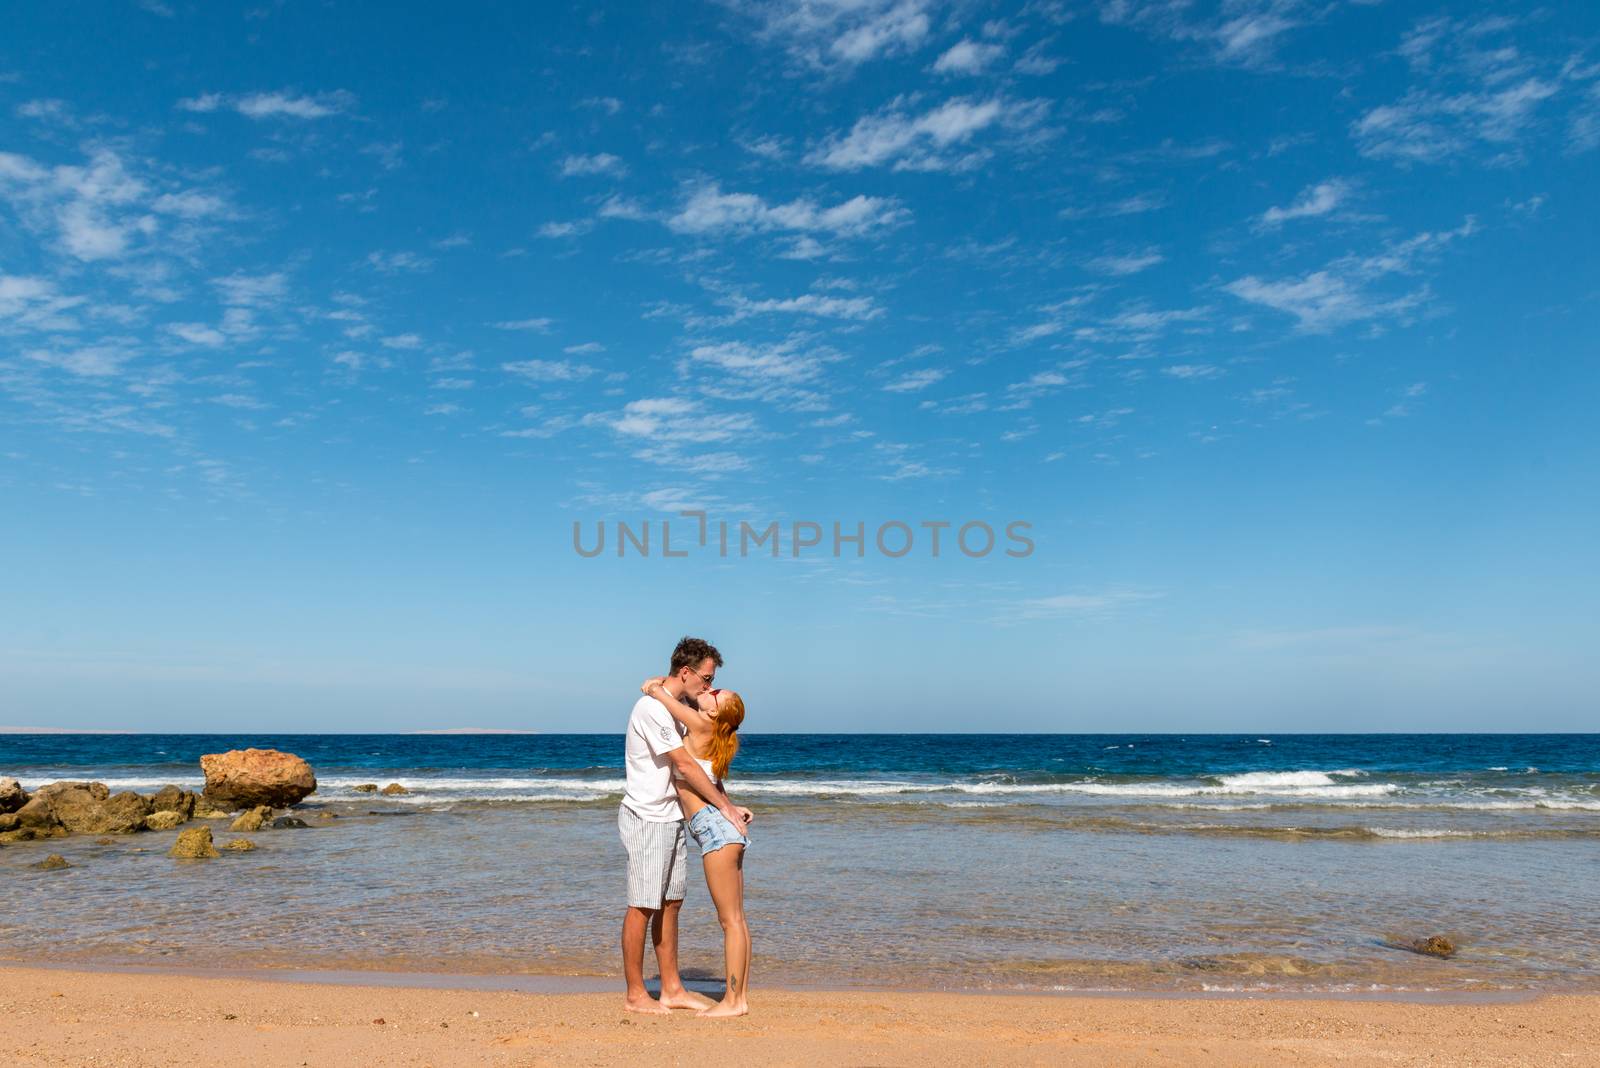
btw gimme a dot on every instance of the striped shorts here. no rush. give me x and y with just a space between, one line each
658 859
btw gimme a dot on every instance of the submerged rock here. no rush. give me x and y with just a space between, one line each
288 823
53 862
252 820
164 820
240 845
1434 946
12 795
244 778
206 811
366 788
394 788
194 844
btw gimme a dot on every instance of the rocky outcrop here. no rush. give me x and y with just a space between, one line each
240 845
53 862
194 844
82 808
366 788
12 795
174 799
244 778
164 820
252 820
392 789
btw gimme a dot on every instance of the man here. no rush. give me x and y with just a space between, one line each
651 824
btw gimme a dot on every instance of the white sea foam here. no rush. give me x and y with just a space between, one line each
1287 778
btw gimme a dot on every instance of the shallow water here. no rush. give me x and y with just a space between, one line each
1042 862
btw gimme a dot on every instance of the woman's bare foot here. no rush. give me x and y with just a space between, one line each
723 1009
686 999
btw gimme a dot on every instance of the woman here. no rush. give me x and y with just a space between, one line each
713 740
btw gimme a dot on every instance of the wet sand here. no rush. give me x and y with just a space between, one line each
56 1016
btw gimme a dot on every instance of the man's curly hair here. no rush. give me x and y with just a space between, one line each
691 652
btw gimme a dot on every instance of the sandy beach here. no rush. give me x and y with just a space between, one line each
52 1016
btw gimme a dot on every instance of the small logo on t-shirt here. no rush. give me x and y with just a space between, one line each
666 735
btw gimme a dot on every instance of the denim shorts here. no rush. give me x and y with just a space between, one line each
712 831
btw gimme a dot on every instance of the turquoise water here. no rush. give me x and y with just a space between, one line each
1004 862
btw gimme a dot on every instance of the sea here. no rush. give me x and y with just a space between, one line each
1086 862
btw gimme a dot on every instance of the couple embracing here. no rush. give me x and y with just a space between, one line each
681 737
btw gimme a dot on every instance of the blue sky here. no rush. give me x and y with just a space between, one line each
320 325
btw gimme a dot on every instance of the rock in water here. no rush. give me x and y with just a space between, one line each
288 823
244 778
394 788
195 843
366 788
52 862
174 799
1434 946
82 808
240 845
164 820
12 795
252 820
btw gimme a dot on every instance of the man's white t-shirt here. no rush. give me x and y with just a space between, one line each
652 734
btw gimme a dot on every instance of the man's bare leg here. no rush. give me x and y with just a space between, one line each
634 924
664 931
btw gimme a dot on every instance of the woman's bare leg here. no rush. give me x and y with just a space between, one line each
725 880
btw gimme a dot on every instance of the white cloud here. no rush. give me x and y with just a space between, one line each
599 163
1189 371
901 28
1427 127
252 290
1243 33
283 104
912 381
784 361
548 370
34 303
1320 301
1342 292
858 308
558 230
102 360
968 57
198 334
1126 263
926 141
1319 199
398 262
539 326
1065 605
674 421
708 210
841 34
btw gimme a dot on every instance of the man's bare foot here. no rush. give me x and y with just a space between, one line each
647 1005
722 1010
686 999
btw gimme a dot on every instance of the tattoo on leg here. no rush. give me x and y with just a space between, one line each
733 983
